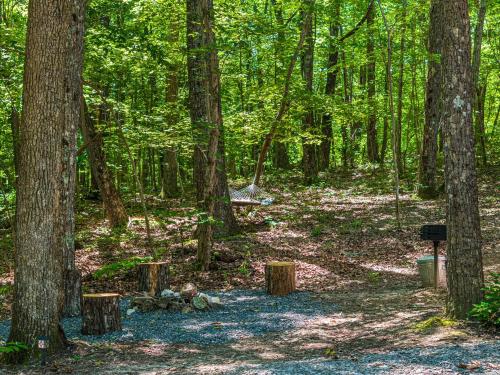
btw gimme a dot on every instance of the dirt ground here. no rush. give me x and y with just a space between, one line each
348 249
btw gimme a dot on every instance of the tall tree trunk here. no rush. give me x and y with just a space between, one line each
371 136
465 268
309 162
391 112
47 150
479 88
73 118
399 124
205 110
169 165
199 94
331 83
280 151
383 149
113 205
427 173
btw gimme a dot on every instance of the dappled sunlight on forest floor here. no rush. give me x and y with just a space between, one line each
348 251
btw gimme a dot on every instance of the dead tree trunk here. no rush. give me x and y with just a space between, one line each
152 278
280 278
101 313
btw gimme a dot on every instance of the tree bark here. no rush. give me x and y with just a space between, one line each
309 161
331 83
371 136
152 278
280 278
399 124
113 205
427 173
46 155
465 271
199 95
479 87
101 313
73 113
169 165
206 117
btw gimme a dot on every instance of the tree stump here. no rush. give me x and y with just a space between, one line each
280 278
152 278
101 313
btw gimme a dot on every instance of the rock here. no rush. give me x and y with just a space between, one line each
167 293
206 297
144 304
164 302
187 309
188 291
200 303
131 311
176 306
214 302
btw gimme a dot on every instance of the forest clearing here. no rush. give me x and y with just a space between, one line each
261 187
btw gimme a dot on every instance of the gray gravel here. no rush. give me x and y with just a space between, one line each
434 360
246 313
252 313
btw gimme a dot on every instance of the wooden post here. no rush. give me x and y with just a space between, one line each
152 278
280 278
101 313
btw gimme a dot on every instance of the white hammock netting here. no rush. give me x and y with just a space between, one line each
249 196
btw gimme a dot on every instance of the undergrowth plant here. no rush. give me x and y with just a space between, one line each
488 311
110 270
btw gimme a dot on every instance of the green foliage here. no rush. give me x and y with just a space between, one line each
434 322
110 270
13 347
5 289
488 311
317 231
269 220
351 226
374 277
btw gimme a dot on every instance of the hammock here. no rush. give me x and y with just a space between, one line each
251 195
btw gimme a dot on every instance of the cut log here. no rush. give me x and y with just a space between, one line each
101 313
280 278
152 278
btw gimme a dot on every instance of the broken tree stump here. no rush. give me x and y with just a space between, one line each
152 278
101 313
280 278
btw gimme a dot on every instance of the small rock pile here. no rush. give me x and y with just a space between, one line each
187 300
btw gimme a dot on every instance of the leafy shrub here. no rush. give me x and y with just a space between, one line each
110 270
488 311
12 347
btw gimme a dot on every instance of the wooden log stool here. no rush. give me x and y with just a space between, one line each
152 278
280 278
101 313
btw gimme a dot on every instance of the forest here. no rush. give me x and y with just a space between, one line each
249 187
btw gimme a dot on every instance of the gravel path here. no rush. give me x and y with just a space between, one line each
249 315
435 360
246 314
